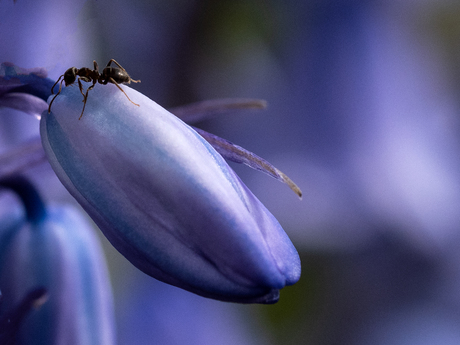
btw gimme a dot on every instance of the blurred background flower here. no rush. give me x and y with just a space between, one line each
51 249
363 116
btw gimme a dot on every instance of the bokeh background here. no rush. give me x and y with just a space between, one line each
363 114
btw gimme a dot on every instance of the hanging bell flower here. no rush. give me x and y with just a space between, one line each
53 277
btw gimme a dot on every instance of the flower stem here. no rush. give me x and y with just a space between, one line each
26 191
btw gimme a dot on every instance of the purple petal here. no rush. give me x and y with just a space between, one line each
195 112
237 154
24 89
24 102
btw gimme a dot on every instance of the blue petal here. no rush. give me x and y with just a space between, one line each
165 198
32 81
58 252
24 89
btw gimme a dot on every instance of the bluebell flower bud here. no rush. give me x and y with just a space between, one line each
52 250
165 198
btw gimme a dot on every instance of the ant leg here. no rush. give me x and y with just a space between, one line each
96 67
116 63
84 105
113 81
80 86
85 96
60 87
57 81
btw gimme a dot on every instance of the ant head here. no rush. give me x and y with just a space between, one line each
70 75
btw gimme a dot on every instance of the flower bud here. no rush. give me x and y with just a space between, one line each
165 198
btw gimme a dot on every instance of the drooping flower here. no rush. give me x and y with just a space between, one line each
50 252
165 198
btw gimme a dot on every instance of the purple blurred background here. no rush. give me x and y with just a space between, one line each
363 116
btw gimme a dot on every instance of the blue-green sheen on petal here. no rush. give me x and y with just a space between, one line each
165 198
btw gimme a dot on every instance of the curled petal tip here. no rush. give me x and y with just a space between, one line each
291 184
237 154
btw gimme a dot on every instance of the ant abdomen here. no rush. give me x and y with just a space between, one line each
117 74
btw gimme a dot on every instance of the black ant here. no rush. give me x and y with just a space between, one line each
109 74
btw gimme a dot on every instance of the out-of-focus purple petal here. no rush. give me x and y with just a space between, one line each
32 81
24 102
165 198
200 111
24 89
